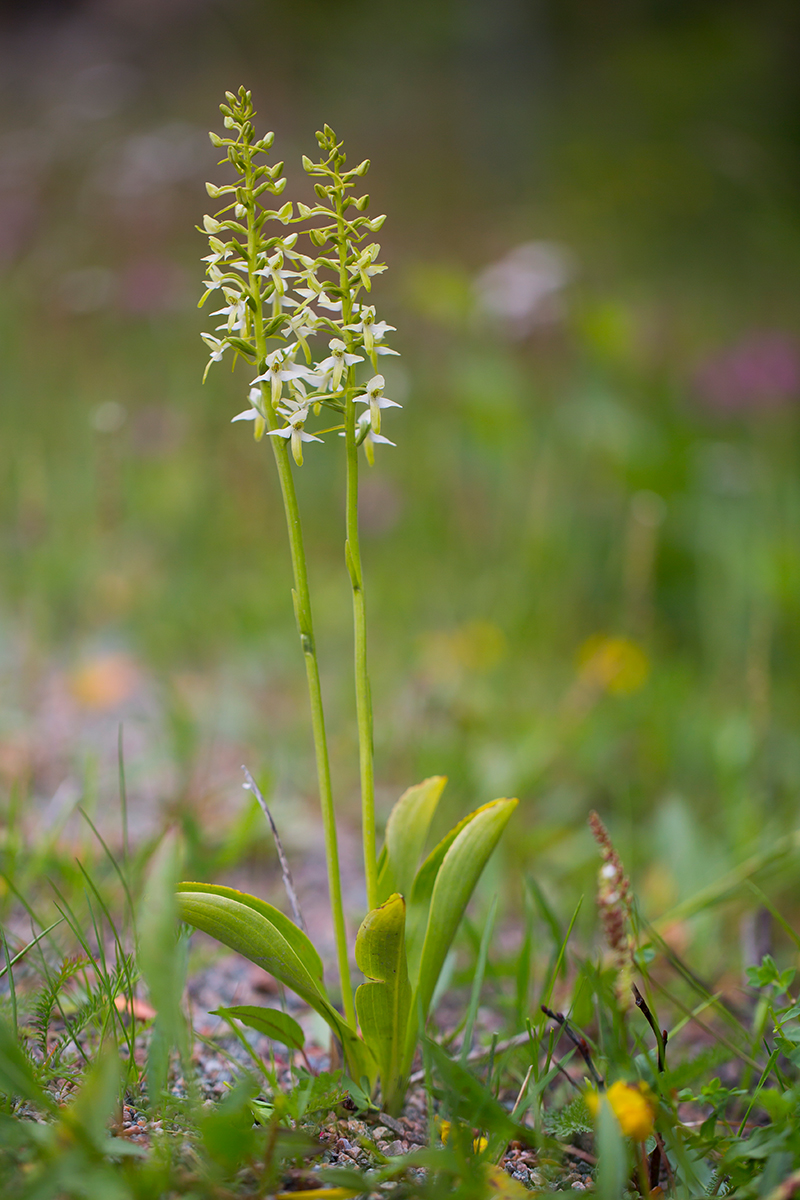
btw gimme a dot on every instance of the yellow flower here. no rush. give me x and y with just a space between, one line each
614 664
479 1144
632 1105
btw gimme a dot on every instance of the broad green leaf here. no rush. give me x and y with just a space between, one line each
419 906
268 938
457 876
406 831
257 930
270 1021
382 1003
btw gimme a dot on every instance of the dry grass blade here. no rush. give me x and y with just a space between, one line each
252 786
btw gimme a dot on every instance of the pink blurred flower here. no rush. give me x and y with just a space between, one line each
761 372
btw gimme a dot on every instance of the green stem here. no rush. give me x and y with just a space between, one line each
353 560
302 605
363 692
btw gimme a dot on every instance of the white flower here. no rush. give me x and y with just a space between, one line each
216 345
235 311
365 265
279 368
275 271
293 431
369 438
376 400
335 364
371 331
215 277
253 414
301 325
320 298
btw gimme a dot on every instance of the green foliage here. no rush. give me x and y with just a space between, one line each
268 938
406 832
383 1003
270 1021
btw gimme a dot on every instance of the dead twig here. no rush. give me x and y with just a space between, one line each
252 786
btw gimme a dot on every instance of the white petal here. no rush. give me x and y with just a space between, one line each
250 414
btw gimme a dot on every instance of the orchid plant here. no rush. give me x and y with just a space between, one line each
299 274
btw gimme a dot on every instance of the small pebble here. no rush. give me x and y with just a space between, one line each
394 1149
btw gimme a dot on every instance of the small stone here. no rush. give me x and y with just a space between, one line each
578 1186
394 1149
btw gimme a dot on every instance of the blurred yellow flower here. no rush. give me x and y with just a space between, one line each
615 664
476 646
632 1104
479 1144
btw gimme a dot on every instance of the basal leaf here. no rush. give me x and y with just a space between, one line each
268 938
406 831
270 1021
457 876
382 1003
418 907
257 930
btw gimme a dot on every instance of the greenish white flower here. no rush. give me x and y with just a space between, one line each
367 436
334 365
277 274
280 368
253 414
293 431
371 331
376 400
217 346
235 312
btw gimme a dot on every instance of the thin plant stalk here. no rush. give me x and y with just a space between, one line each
353 559
302 606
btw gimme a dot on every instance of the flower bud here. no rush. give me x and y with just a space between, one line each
322 191
361 203
229 123
362 168
211 225
216 140
213 190
307 163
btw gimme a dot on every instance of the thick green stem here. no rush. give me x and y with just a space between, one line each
302 605
353 559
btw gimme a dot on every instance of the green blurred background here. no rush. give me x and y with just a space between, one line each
583 558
